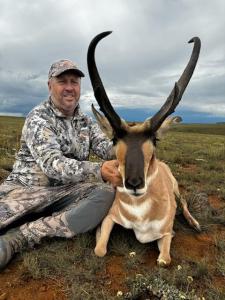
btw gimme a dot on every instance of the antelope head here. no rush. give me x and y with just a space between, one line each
135 143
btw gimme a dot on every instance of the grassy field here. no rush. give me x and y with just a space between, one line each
68 269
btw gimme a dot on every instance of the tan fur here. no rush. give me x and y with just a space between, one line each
121 150
137 127
152 214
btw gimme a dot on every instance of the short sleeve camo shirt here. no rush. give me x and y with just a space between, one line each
55 149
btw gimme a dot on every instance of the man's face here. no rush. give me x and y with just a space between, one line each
65 92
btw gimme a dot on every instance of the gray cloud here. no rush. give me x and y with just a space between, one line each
139 62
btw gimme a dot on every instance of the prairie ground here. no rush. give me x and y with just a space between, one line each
68 269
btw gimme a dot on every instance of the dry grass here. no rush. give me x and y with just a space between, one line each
196 154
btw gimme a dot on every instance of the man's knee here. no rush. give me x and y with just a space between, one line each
89 212
102 196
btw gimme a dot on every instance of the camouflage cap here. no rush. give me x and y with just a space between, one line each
61 66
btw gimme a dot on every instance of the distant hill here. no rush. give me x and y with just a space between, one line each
217 129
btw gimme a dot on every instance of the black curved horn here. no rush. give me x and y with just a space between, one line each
178 90
99 90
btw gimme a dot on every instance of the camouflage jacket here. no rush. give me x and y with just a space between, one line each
55 149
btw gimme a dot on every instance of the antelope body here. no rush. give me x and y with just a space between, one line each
146 202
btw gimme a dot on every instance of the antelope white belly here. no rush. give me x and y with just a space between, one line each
145 230
148 231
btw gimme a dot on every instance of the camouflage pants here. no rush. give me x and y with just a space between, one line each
61 211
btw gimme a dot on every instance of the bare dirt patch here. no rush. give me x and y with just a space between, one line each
14 287
190 167
216 202
116 274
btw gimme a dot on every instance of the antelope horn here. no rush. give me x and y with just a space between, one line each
178 90
99 90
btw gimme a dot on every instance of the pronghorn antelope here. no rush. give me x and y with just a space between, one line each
146 202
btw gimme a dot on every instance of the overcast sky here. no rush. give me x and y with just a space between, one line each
139 62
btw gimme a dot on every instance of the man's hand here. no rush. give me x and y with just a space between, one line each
110 172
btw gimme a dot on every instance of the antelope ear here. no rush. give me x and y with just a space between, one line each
167 123
103 123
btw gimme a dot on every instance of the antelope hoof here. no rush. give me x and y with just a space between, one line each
100 251
163 263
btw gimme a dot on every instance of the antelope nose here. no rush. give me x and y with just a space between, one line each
134 183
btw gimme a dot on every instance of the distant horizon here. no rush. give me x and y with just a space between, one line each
140 115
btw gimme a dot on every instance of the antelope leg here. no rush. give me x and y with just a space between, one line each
164 258
103 237
191 220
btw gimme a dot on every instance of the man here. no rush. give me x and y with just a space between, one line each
52 184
